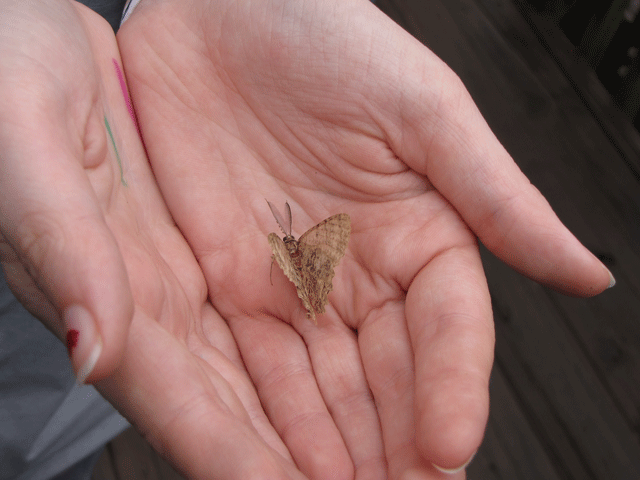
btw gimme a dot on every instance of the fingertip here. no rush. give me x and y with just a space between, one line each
85 346
454 470
450 438
612 280
97 317
601 276
588 277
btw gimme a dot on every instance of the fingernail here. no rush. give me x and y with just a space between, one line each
612 280
83 341
451 471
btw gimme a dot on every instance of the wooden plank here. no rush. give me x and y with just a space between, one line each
547 69
130 457
630 93
601 31
615 124
607 328
566 398
571 73
104 469
557 10
511 449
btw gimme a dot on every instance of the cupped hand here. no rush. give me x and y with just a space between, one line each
330 106
89 247
59 188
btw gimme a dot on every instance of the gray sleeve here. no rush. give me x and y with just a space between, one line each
47 421
111 10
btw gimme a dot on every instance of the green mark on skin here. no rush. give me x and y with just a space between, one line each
115 149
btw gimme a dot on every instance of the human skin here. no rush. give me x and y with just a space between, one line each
162 261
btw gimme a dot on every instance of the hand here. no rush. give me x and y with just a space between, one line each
89 247
58 183
331 106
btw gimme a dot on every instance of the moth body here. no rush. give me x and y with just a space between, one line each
309 262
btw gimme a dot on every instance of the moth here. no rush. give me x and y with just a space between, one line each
309 262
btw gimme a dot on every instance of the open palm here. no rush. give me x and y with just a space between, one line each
331 107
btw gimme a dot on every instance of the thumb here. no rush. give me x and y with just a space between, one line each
60 257
469 166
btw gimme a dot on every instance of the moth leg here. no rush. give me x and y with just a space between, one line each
273 259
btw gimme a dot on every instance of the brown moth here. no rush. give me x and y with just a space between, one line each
309 261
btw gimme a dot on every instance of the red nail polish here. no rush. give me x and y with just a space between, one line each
72 340
84 350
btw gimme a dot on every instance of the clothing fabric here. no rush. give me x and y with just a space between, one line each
48 423
128 8
111 10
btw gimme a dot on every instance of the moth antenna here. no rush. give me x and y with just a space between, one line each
279 219
287 212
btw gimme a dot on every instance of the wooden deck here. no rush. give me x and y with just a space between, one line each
565 389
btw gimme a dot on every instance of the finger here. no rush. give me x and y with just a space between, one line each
51 218
450 143
388 362
388 357
219 349
193 414
278 362
450 324
337 363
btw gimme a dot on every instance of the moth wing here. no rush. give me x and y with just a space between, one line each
321 248
283 259
332 234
